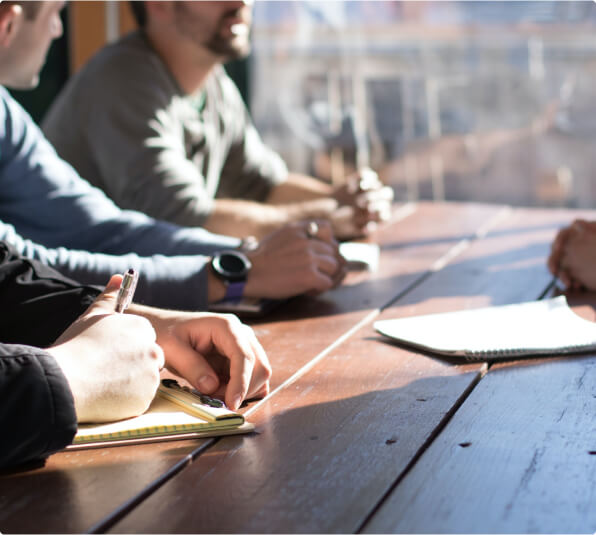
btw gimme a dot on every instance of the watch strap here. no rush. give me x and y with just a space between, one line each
234 290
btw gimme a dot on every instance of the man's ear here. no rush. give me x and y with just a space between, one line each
10 18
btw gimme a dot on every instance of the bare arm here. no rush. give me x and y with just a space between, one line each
298 188
349 208
240 218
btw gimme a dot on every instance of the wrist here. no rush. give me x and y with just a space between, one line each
232 267
216 289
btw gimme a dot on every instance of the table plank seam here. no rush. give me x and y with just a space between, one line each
117 514
487 366
429 440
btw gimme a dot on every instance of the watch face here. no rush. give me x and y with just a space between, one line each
231 265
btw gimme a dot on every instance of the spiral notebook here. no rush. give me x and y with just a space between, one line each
176 413
535 328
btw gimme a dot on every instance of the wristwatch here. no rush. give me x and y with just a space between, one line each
232 267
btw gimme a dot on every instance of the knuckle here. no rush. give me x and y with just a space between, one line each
250 358
310 256
231 320
267 370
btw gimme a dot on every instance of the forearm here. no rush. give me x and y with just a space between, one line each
247 218
241 218
298 188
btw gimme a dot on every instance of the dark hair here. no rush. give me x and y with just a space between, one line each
138 12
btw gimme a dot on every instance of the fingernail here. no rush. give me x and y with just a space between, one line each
237 401
207 384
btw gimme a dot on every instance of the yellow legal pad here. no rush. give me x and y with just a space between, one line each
175 413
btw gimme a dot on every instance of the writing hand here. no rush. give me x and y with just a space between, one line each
111 361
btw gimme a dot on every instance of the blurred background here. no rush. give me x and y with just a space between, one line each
448 100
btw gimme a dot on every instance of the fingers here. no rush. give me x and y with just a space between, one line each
220 356
325 257
259 384
192 365
554 260
371 197
374 205
159 356
330 267
106 300
249 367
340 274
573 254
317 229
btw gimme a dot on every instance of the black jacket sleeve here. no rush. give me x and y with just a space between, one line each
37 303
37 415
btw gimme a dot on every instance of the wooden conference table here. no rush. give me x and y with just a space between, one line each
359 435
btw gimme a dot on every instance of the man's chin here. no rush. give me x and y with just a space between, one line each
230 50
23 84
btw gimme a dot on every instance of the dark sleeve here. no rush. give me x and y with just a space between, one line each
37 303
37 414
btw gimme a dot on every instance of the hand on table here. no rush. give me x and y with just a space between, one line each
573 255
363 201
216 353
291 262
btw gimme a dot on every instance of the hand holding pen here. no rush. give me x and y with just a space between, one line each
110 360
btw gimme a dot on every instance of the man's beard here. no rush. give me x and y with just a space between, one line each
229 49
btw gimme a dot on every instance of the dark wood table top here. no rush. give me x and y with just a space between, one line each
358 434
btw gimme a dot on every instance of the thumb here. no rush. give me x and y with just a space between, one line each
105 302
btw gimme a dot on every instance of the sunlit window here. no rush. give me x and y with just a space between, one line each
457 100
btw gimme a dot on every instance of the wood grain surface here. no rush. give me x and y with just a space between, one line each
351 418
333 443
